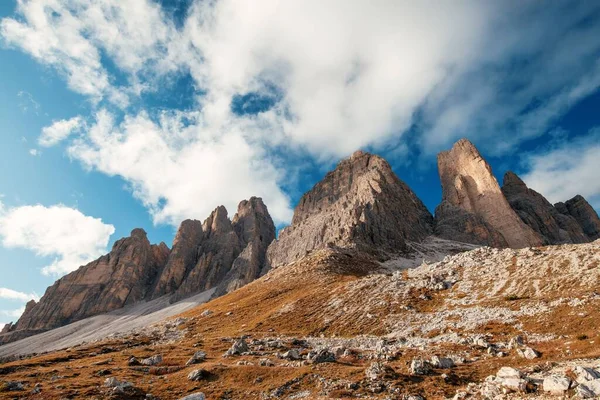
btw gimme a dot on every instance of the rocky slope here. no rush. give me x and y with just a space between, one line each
120 278
553 226
218 252
488 323
361 204
473 208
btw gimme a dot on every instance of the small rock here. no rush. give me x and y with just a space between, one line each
133 361
198 375
442 362
206 313
194 396
12 386
516 342
528 353
154 360
508 372
556 384
379 371
323 356
585 374
584 392
265 362
291 355
239 347
514 384
420 367
197 358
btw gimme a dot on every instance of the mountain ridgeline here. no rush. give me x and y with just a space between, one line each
361 204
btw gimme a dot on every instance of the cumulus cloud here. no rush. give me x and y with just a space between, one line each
567 169
177 168
72 238
9 294
59 131
336 76
13 314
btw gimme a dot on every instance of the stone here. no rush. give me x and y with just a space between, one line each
11 386
420 367
239 347
323 356
291 355
198 375
474 209
154 360
537 212
194 396
594 386
508 372
556 384
584 374
265 362
584 392
528 353
584 214
514 384
361 204
379 371
114 383
442 362
516 342
133 361
197 358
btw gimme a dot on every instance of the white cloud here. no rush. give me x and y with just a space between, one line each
181 170
347 75
58 231
9 294
566 170
35 152
13 314
59 131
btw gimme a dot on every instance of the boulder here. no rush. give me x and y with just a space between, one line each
379 371
154 360
194 396
420 367
197 358
509 372
198 375
556 384
442 362
239 347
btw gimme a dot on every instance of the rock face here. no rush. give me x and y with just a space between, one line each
584 214
534 210
218 252
115 280
361 204
473 208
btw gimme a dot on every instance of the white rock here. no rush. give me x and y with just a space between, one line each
594 386
528 353
556 384
514 384
442 362
157 359
509 372
195 396
583 392
585 374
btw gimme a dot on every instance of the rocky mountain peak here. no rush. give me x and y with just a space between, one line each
253 220
139 233
217 223
512 183
583 213
473 207
360 204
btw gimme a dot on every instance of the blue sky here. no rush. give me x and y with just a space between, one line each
116 115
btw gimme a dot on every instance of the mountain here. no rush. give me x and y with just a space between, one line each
537 212
120 278
203 257
584 214
473 207
361 204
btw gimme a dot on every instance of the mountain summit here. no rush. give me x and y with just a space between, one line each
361 204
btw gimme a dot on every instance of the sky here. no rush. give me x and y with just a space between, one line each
141 113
